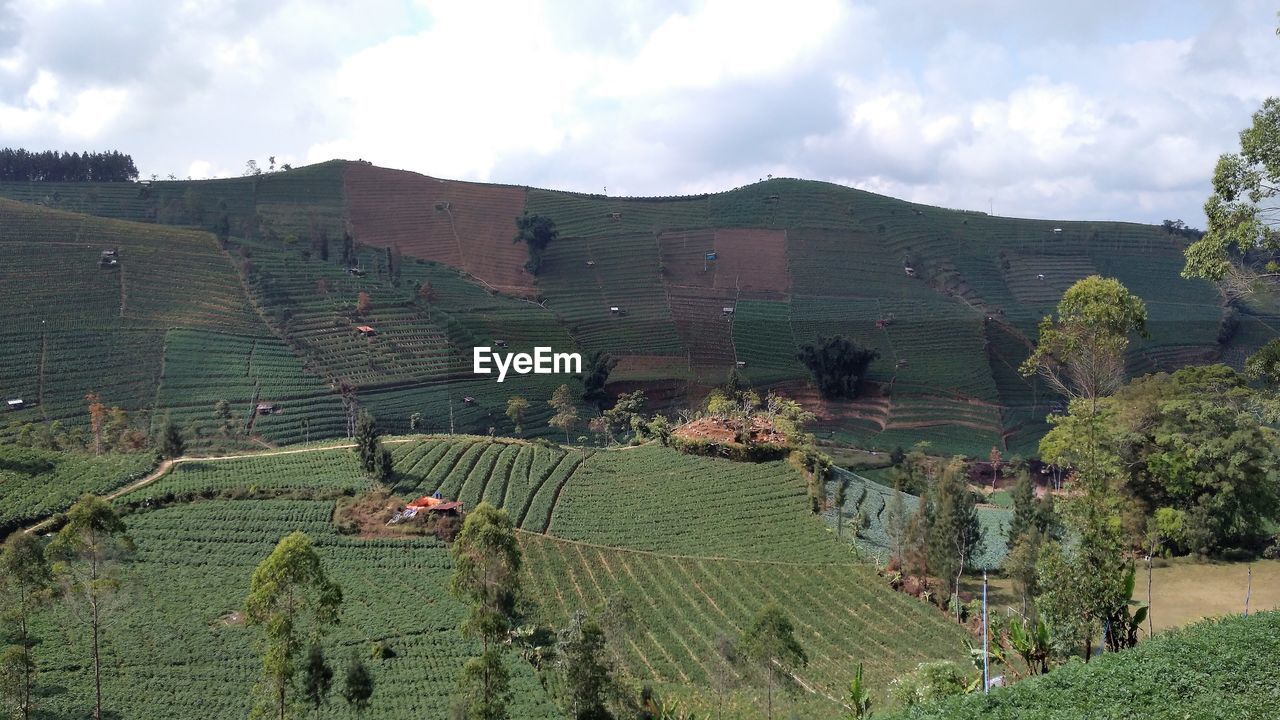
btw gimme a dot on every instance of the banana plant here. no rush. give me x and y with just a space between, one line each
859 698
1123 623
1031 640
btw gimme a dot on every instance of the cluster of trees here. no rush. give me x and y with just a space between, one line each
81 568
53 166
375 460
942 537
838 365
536 232
110 430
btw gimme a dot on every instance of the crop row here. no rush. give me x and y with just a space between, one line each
652 498
684 608
37 483
174 650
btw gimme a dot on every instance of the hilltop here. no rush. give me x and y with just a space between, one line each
238 290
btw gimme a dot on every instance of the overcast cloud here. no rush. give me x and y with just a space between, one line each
1089 109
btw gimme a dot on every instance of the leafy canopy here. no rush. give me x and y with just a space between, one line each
1081 350
838 365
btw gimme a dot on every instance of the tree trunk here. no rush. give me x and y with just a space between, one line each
26 665
93 607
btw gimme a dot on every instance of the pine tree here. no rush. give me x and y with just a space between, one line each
367 443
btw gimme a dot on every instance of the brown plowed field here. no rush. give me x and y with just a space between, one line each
704 328
465 225
684 255
754 260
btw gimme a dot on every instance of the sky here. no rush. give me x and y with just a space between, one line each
1093 109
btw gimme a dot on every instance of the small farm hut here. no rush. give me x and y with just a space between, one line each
436 504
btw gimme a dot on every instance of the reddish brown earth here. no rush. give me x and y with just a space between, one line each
720 431
468 226
751 260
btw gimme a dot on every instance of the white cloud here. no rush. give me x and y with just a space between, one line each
1094 109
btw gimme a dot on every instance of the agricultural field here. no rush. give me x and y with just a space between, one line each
78 327
683 607
583 279
466 225
793 260
202 368
334 468
654 499
177 650
37 483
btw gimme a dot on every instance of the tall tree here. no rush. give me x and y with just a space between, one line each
97 419
486 577
368 444
588 669
595 374
955 537
25 588
172 444
770 644
536 232
1238 249
294 602
1081 350
86 554
566 412
838 365
517 409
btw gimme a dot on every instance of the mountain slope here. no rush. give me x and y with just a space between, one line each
950 299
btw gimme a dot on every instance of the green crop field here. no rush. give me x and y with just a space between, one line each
696 544
174 651
684 605
1216 669
37 483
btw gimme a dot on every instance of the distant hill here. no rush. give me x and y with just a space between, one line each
950 299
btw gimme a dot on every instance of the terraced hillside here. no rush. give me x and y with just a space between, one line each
695 556
680 290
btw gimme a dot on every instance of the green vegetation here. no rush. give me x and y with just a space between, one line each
37 483
1223 669
837 365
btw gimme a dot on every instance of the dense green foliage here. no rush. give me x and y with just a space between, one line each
1227 669
1190 453
37 483
1239 244
52 166
837 364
